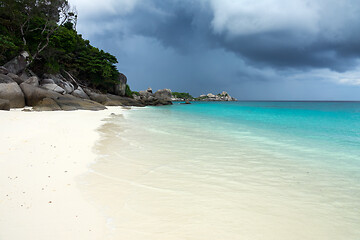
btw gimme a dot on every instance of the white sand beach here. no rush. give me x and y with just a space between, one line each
158 177
41 155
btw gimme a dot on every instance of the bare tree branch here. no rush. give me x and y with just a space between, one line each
62 15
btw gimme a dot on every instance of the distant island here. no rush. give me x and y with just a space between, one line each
221 97
147 96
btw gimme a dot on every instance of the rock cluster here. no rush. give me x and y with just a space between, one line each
10 90
222 97
160 97
20 87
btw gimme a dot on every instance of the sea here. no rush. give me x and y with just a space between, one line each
230 171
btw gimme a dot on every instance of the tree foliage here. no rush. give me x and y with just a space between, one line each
182 95
46 29
35 21
128 92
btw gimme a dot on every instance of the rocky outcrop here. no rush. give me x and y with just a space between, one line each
59 80
10 90
68 87
120 87
50 96
67 76
97 97
18 64
222 97
159 98
210 95
71 103
163 94
146 94
112 100
5 79
33 81
149 90
53 87
47 104
80 93
16 78
122 101
3 70
47 81
19 86
26 74
35 96
4 105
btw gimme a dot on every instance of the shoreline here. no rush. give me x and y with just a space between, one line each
42 155
163 175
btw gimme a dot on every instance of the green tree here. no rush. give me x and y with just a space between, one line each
37 20
182 95
7 44
46 29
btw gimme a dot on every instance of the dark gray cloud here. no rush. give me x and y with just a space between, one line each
211 45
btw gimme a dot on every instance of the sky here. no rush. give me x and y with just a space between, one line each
254 50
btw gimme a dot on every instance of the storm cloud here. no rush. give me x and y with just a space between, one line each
265 49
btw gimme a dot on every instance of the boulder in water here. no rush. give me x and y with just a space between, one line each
163 94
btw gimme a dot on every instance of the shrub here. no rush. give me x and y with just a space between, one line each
128 92
182 95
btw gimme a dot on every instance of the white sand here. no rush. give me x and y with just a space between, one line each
41 154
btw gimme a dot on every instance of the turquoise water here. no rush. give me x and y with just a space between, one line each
237 170
326 132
